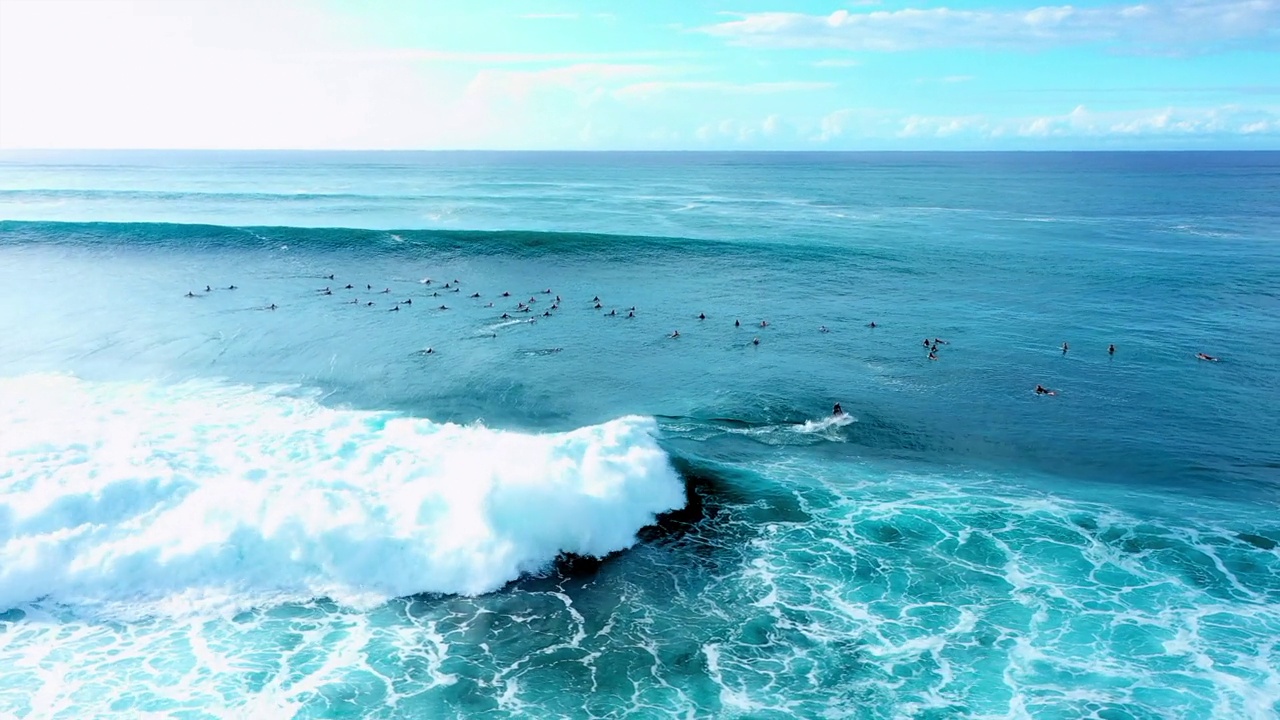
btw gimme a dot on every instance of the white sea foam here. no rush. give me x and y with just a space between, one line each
826 423
174 498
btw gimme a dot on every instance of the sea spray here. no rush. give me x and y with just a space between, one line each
164 496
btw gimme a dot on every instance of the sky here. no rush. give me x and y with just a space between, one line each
640 75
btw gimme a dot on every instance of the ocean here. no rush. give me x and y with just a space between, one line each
408 468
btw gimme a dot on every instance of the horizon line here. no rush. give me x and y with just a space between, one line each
668 151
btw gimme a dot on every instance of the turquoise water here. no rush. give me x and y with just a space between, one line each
213 508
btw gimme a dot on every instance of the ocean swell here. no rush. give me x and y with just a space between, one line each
145 498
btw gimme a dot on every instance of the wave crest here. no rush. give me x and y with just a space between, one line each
154 498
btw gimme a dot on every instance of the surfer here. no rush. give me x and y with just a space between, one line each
675 334
764 323
613 313
368 287
506 294
598 306
546 314
837 410
369 304
386 291
506 316
475 295
933 355
190 294
926 342
872 324
395 309
329 277
430 351
409 301
547 292
755 341
348 287
1203 356
208 289
272 307
702 316
823 329
595 299
1111 349
737 323
444 307
327 291
1064 348
232 287
1042 390
631 313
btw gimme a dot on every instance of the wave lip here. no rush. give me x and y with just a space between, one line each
143 498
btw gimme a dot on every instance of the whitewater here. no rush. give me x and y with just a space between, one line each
213 508
185 497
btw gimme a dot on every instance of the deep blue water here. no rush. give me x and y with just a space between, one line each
213 507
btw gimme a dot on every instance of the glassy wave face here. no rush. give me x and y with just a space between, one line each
460 488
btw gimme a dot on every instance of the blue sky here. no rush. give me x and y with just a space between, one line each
583 74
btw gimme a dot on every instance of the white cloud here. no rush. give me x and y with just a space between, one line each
1080 122
1167 26
837 63
645 90
199 74
738 132
426 55
854 123
941 127
582 76
946 80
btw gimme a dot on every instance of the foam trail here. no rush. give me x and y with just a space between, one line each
831 421
201 495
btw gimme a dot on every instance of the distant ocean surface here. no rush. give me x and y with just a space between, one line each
522 505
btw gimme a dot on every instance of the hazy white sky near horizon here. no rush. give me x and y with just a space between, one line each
587 74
